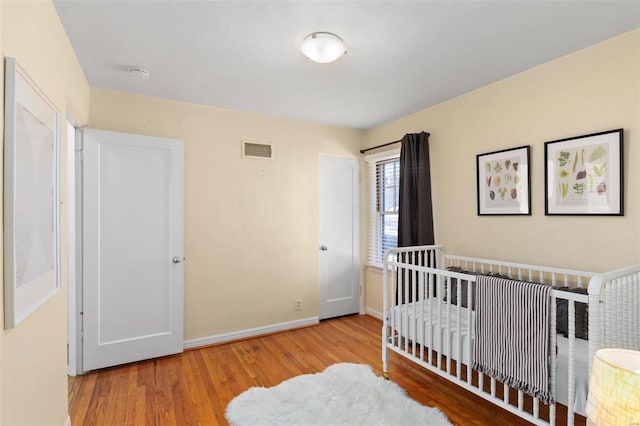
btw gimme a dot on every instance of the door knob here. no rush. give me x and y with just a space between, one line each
323 248
176 259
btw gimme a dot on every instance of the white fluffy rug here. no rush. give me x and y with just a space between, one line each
343 394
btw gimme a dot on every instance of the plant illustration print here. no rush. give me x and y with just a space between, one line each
581 174
502 181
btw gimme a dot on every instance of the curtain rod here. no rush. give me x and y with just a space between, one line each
362 151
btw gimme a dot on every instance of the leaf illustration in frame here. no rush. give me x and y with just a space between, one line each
564 188
564 158
599 171
597 154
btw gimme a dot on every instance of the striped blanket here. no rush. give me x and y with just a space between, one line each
512 334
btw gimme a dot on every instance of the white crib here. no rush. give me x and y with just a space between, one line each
437 334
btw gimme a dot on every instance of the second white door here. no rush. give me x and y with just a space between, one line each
132 278
339 251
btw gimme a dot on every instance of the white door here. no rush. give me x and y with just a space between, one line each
132 278
339 258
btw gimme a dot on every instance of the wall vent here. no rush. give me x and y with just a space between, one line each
256 150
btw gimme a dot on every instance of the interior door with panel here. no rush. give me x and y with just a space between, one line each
132 245
339 251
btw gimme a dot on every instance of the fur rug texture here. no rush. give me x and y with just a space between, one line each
343 394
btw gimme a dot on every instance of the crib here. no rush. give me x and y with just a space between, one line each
430 318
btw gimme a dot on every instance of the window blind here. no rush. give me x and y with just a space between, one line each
384 179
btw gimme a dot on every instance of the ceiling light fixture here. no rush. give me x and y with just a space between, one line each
323 47
139 73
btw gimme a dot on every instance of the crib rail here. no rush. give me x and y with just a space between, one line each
422 323
614 310
520 271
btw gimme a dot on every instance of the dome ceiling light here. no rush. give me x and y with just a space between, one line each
323 47
139 73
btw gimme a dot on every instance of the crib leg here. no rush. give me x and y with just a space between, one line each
385 353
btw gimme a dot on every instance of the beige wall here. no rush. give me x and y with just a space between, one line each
251 238
592 90
33 359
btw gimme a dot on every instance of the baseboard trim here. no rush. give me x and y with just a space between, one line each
252 332
68 421
374 313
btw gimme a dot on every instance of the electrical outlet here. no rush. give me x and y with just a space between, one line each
298 304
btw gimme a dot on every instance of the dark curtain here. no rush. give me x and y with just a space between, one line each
415 215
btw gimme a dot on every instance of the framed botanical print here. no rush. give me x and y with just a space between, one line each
503 184
583 175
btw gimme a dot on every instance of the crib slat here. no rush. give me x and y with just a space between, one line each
414 299
554 359
405 331
571 373
422 299
470 333
439 329
430 331
459 332
520 400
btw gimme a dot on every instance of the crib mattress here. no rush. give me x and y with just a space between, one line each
443 327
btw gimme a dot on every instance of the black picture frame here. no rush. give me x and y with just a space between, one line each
504 182
584 175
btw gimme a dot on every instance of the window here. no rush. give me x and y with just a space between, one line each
384 185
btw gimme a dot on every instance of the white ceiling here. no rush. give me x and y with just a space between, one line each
402 56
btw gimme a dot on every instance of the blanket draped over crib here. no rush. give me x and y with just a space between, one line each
512 334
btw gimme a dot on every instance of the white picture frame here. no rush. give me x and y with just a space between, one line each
31 196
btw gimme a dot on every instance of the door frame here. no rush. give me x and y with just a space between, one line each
74 247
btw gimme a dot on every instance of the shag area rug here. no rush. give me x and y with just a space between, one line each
343 394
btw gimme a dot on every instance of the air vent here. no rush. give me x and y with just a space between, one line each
256 150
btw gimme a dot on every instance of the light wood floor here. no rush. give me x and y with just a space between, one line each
194 388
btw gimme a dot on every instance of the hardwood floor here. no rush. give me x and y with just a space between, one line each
194 388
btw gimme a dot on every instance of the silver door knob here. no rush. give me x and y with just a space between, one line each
323 248
176 259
